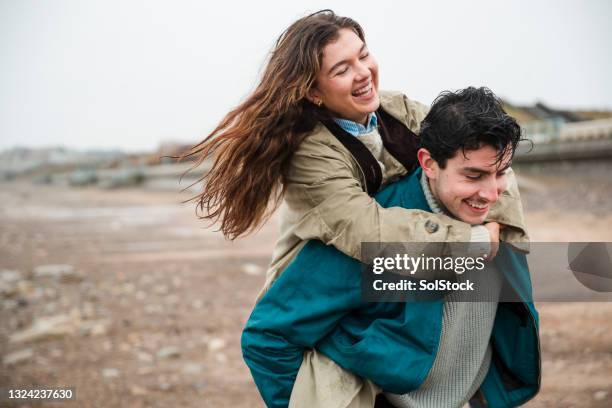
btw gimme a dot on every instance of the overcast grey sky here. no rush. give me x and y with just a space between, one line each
131 74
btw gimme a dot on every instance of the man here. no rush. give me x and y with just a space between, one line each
439 353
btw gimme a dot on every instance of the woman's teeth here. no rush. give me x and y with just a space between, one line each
363 91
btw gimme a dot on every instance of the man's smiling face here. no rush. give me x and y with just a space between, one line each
470 183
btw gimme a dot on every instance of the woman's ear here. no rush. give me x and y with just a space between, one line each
429 165
314 96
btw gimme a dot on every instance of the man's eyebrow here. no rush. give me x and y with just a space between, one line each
482 171
475 170
344 61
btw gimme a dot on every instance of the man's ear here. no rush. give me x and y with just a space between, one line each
429 165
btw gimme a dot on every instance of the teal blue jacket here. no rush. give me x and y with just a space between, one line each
316 303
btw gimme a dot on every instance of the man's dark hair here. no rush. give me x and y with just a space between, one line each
465 120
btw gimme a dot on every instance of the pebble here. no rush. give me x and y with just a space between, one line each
193 368
110 373
138 391
95 327
8 289
62 272
164 387
27 289
216 344
145 370
600 395
10 276
144 357
168 352
18 357
10 304
252 269
45 328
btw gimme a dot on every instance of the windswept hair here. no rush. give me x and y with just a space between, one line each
465 120
252 146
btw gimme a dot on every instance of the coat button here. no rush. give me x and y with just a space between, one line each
431 226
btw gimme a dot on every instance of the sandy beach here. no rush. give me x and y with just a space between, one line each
127 297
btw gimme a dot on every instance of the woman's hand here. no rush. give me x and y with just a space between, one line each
493 229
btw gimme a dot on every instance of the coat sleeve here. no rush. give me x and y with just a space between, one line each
508 210
303 305
330 205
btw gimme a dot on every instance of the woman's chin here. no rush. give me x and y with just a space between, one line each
368 106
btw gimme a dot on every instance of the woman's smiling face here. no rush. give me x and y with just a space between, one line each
347 84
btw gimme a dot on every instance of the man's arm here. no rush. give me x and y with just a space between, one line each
303 305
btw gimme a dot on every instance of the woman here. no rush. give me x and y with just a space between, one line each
318 136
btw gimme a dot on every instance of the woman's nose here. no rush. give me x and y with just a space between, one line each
362 71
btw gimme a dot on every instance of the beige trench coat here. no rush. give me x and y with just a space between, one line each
325 200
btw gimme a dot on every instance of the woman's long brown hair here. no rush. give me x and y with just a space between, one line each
252 146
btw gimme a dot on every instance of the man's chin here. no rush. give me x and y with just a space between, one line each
474 220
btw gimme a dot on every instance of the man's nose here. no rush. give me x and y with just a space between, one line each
490 191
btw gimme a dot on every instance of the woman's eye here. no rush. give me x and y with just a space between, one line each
342 71
364 56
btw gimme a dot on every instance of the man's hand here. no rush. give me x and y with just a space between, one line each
493 229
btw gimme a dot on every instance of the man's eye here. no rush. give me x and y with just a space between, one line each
474 177
501 173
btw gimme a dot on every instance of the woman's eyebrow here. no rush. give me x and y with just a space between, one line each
344 61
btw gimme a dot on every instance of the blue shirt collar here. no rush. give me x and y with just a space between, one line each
357 129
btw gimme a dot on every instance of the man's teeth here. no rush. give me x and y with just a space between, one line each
362 91
476 205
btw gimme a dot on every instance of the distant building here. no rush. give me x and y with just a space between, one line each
543 124
20 160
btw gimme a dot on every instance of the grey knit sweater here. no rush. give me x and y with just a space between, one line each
464 352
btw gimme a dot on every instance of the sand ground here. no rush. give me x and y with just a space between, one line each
149 304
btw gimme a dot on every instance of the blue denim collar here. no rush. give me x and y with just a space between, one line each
357 129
